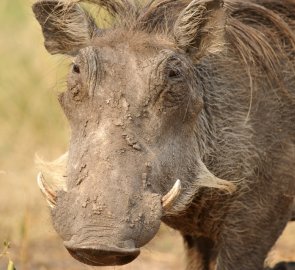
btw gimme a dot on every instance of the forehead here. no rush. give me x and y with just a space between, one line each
123 62
119 45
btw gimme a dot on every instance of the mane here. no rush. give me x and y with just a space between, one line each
254 23
262 33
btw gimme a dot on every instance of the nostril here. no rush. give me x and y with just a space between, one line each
103 255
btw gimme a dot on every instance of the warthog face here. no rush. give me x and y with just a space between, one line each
133 104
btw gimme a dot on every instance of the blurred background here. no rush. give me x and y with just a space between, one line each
31 122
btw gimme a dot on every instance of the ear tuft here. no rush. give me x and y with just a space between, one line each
200 27
65 25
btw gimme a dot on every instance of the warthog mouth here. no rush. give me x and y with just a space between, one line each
103 255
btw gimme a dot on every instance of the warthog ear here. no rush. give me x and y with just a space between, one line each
200 27
66 26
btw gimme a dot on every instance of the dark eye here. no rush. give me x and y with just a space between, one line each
173 74
76 68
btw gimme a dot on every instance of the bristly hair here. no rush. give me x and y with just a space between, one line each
157 15
260 31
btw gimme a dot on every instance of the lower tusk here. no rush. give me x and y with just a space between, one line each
171 196
46 191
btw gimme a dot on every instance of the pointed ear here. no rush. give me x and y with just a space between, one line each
200 27
66 26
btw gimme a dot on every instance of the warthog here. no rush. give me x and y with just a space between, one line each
181 112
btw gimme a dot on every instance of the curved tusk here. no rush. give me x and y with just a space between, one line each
172 195
46 191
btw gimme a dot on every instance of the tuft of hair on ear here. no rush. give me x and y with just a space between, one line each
66 26
200 27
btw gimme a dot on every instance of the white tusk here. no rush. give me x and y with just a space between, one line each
172 195
46 191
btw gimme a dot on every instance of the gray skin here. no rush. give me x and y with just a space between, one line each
177 90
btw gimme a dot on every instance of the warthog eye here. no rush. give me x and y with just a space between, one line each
174 68
173 74
76 69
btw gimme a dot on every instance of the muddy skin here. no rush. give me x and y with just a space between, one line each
201 92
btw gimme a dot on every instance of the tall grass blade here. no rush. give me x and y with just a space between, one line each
11 265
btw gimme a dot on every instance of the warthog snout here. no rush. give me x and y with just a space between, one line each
101 230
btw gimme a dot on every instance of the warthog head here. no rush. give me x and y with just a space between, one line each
134 104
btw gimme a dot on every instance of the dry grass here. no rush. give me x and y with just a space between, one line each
31 121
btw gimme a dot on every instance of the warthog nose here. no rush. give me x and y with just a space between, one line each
103 255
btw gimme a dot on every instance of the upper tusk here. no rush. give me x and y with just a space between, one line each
47 192
172 195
